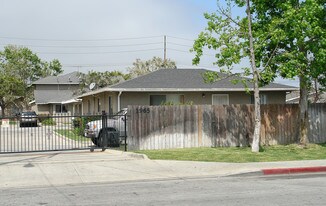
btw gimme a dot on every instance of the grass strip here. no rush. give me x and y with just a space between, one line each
68 133
241 154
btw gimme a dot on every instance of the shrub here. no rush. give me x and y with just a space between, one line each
79 123
48 121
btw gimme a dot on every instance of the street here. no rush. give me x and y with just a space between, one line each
308 189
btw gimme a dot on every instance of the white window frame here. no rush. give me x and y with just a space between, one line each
263 98
220 95
166 96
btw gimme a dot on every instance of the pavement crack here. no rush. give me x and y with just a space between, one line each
79 176
54 187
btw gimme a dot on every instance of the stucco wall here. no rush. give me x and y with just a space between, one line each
104 103
143 98
275 97
56 87
43 109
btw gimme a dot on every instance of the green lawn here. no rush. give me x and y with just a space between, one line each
71 134
238 154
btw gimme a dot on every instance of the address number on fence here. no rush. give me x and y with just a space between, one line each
142 110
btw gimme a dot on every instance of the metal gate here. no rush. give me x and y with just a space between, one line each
62 132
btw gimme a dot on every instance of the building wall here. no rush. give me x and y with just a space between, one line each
143 98
275 97
93 107
56 87
43 109
50 108
200 98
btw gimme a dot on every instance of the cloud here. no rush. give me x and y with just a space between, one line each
105 19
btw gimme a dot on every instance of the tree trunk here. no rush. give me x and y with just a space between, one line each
316 96
303 115
2 110
255 141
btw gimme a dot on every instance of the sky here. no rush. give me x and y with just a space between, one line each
107 35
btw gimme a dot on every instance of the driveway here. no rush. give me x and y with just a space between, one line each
41 138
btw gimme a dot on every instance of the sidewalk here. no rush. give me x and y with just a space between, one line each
83 167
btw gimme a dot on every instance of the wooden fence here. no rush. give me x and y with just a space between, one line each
167 127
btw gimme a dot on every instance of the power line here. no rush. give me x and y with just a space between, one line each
106 46
80 40
179 44
189 52
95 65
174 37
188 46
115 52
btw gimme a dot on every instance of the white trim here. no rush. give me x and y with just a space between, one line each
119 100
182 90
71 101
31 102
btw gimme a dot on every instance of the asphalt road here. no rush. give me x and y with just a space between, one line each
255 190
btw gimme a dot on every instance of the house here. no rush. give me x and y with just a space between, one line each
177 86
55 94
293 97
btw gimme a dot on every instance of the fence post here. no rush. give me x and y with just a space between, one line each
125 122
104 125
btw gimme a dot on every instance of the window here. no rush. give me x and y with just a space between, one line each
157 99
60 108
161 99
263 99
220 99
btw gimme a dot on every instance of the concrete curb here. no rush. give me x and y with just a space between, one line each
136 156
277 171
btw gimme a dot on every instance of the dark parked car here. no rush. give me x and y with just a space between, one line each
28 119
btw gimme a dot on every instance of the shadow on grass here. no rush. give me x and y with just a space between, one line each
322 144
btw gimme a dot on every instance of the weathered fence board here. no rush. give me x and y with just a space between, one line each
317 123
166 127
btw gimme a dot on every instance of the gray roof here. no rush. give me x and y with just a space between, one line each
70 78
52 96
187 79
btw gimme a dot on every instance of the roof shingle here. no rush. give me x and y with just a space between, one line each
184 78
70 78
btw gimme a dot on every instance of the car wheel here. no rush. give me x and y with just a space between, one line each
101 140
95 141
108 139
114 140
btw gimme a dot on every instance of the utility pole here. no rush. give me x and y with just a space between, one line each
164 48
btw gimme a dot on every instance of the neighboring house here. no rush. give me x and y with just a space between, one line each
54 94
177 86
293 98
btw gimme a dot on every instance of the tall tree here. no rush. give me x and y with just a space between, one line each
101 79
144 67
11 90
234 40
295 31
21 66
52 68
